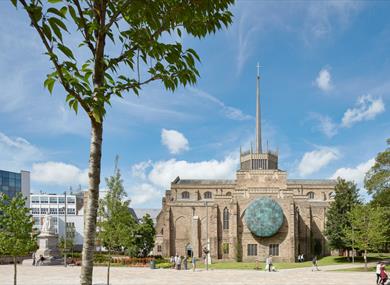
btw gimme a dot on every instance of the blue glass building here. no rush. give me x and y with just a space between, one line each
12 183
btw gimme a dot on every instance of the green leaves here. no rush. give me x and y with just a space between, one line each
66 51
16 235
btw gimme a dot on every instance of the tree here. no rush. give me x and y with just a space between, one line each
16 224
143 238
138 29
117 224
369 227
346 197
377 179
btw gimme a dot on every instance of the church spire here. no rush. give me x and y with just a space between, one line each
258 113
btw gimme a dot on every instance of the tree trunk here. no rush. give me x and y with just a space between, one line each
108 267
15 267
95 155
365 259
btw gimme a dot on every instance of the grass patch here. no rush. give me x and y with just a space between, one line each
324 261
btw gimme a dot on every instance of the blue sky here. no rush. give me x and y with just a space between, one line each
325 91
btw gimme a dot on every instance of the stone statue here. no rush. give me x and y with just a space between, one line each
48 225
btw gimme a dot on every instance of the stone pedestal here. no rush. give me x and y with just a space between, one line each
48 244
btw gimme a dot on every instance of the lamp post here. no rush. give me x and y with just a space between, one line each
65 228
207 237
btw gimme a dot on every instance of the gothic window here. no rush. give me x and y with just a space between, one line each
185 195
225 219
252 249
229 194
274 249
310 195
159 249
207 195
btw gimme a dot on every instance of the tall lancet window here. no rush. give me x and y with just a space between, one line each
225 219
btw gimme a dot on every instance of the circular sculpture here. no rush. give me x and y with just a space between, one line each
264 217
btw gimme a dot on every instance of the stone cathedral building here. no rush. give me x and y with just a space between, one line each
261 212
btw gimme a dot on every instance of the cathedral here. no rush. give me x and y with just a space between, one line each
259 213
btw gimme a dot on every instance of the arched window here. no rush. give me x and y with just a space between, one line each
207 195
332 195
229 194
225 219
310 195
185 195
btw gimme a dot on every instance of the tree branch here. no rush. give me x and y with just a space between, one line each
55 62
115 15
85 28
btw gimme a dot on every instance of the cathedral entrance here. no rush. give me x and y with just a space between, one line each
189 250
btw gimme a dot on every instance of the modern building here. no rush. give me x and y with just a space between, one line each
259 213
13 182
54 204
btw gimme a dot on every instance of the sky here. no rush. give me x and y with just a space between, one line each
325 94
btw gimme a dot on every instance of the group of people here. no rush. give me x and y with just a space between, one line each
37 261
181 263
301 258
381 274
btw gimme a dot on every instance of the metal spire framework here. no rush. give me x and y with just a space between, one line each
258 113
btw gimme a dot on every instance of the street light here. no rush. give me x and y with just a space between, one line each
65 228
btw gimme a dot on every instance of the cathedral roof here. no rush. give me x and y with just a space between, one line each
311 181
203 181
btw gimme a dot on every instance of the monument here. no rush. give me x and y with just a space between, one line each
48 243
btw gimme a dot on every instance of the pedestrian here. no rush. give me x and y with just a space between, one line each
178 262
257 263
193 261
384 275
378 272
302 258
270 263
299 258
172 260
185 262
315 265
34 259
267 263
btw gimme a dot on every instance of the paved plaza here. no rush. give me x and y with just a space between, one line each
57 275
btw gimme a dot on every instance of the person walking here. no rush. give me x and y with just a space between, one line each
378 272
185 262
178 263
315 264
173 263
270 263
384 275
267 263
193 261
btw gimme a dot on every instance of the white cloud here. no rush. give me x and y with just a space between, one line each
356 173
164 172
144 193
175 141
313 161
230 112
17 153
323 80
151 179
58 173
366 108
325 124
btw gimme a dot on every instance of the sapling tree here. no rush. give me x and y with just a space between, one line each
16 229
123 46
